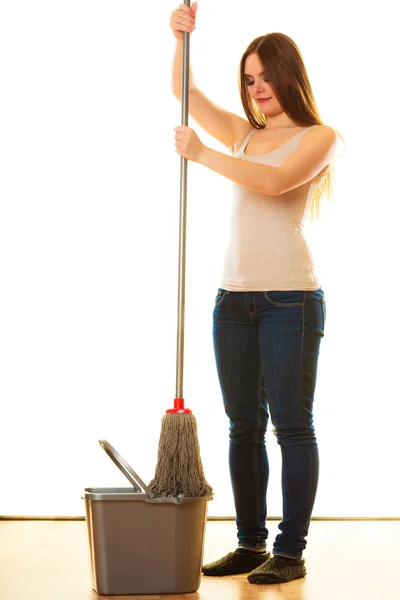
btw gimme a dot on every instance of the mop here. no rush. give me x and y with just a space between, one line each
179 470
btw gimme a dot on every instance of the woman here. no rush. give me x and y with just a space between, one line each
269 313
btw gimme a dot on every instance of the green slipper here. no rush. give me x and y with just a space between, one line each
235 563
277 570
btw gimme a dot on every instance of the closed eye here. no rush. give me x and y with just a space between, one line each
249 82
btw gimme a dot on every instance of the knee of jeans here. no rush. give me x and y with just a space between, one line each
297 436
241 434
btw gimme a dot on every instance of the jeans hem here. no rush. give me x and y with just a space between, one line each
252 548
287 555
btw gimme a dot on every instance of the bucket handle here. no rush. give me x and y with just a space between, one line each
132 477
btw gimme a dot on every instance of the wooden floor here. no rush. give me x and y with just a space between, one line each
48 560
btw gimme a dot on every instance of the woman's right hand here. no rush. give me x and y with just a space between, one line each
183 19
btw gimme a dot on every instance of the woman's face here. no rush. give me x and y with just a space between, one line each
259 88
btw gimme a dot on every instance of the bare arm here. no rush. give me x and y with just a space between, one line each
315 152
224 126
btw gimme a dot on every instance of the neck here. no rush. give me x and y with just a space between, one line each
280 121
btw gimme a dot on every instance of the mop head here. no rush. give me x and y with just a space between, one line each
179 468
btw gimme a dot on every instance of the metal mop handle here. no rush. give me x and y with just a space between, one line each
182 221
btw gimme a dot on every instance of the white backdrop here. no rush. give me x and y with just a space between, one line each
89 195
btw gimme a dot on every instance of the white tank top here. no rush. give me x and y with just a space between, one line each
267 250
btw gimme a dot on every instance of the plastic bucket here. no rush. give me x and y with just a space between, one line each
143 545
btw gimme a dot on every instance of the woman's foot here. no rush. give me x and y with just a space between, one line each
235 563
278 570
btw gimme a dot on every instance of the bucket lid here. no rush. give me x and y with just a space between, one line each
132 477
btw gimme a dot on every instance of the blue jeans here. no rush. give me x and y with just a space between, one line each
266 348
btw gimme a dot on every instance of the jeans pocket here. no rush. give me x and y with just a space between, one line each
220 296
286 298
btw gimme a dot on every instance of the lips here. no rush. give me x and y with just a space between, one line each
263 99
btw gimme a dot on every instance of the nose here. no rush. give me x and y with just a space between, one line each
260 87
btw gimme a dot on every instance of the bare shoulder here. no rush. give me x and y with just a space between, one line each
321 133
322 140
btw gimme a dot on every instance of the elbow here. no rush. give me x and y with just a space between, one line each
273 189
273 184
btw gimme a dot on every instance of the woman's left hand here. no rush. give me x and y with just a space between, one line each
187 143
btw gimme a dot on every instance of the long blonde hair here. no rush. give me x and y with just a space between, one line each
284 64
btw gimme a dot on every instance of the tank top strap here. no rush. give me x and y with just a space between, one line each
246 139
